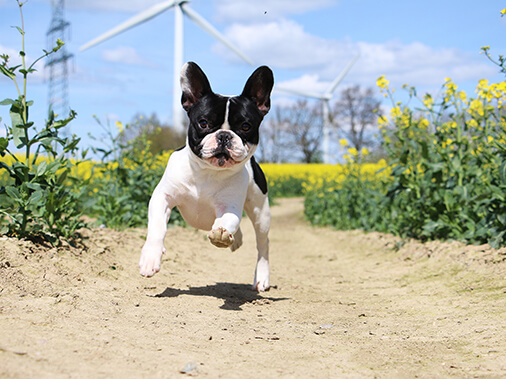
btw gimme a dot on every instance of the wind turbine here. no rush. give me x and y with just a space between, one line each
325 97
180 7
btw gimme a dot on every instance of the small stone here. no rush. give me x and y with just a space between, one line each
190 369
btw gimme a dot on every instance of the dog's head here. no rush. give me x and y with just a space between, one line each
223 130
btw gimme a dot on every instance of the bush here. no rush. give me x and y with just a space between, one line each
123 181
447 162
38 198
351 203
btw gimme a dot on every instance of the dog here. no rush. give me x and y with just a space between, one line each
214 177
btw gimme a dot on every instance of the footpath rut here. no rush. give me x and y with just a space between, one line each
343 304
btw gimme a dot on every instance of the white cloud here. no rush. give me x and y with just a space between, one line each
126 55
307 83
284 44
264 10
419 64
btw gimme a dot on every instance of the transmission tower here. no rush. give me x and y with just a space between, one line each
58 62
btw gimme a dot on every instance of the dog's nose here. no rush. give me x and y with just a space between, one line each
223 138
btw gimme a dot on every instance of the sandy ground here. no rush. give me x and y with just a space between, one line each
343 304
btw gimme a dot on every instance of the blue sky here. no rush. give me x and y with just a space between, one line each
307 43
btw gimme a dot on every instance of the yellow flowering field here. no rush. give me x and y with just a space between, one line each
284 180
292 179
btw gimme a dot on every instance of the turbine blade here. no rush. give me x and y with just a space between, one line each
293 91
341 76
204 24
139 18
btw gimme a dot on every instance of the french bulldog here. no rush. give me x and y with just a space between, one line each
214 177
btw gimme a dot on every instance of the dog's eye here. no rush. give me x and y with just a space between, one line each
203 124
245 127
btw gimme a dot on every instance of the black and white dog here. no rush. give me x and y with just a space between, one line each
215 176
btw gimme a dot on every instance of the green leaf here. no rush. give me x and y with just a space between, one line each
36 197
13 193
3 144
41 168
4 70
18 137
7 102
62 178
502 172
16 114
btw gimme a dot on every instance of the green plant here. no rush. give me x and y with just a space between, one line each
352 203
38 201
125 178
447 164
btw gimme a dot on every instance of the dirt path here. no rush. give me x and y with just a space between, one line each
344 304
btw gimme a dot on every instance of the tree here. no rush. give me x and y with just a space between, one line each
161 136
273 145
298 129
356 113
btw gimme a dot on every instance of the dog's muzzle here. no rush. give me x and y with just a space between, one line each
224 142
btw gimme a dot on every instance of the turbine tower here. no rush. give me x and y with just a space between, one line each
180 8
325 97
57 63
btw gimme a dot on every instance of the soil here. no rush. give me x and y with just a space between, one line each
342 304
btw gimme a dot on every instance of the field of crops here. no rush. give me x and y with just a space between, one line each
444 176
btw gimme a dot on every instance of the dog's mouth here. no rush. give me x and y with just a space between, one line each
222 158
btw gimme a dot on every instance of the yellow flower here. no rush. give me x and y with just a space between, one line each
120 126
382 122
447 143
382 83
353 151
476 107
428 101
450 88
424 123
343 142
395 112
462 96
483 83
490 139
364 151
503 12
472 123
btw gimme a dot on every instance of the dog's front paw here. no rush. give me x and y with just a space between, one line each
151 261
220 237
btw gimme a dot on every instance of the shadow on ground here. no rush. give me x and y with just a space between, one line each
234 295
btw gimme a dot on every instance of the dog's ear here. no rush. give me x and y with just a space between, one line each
194 84
259 87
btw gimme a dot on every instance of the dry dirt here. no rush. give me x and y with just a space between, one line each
343 304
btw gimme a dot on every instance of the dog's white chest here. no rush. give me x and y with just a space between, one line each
202 195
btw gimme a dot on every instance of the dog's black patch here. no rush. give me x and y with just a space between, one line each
258 176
